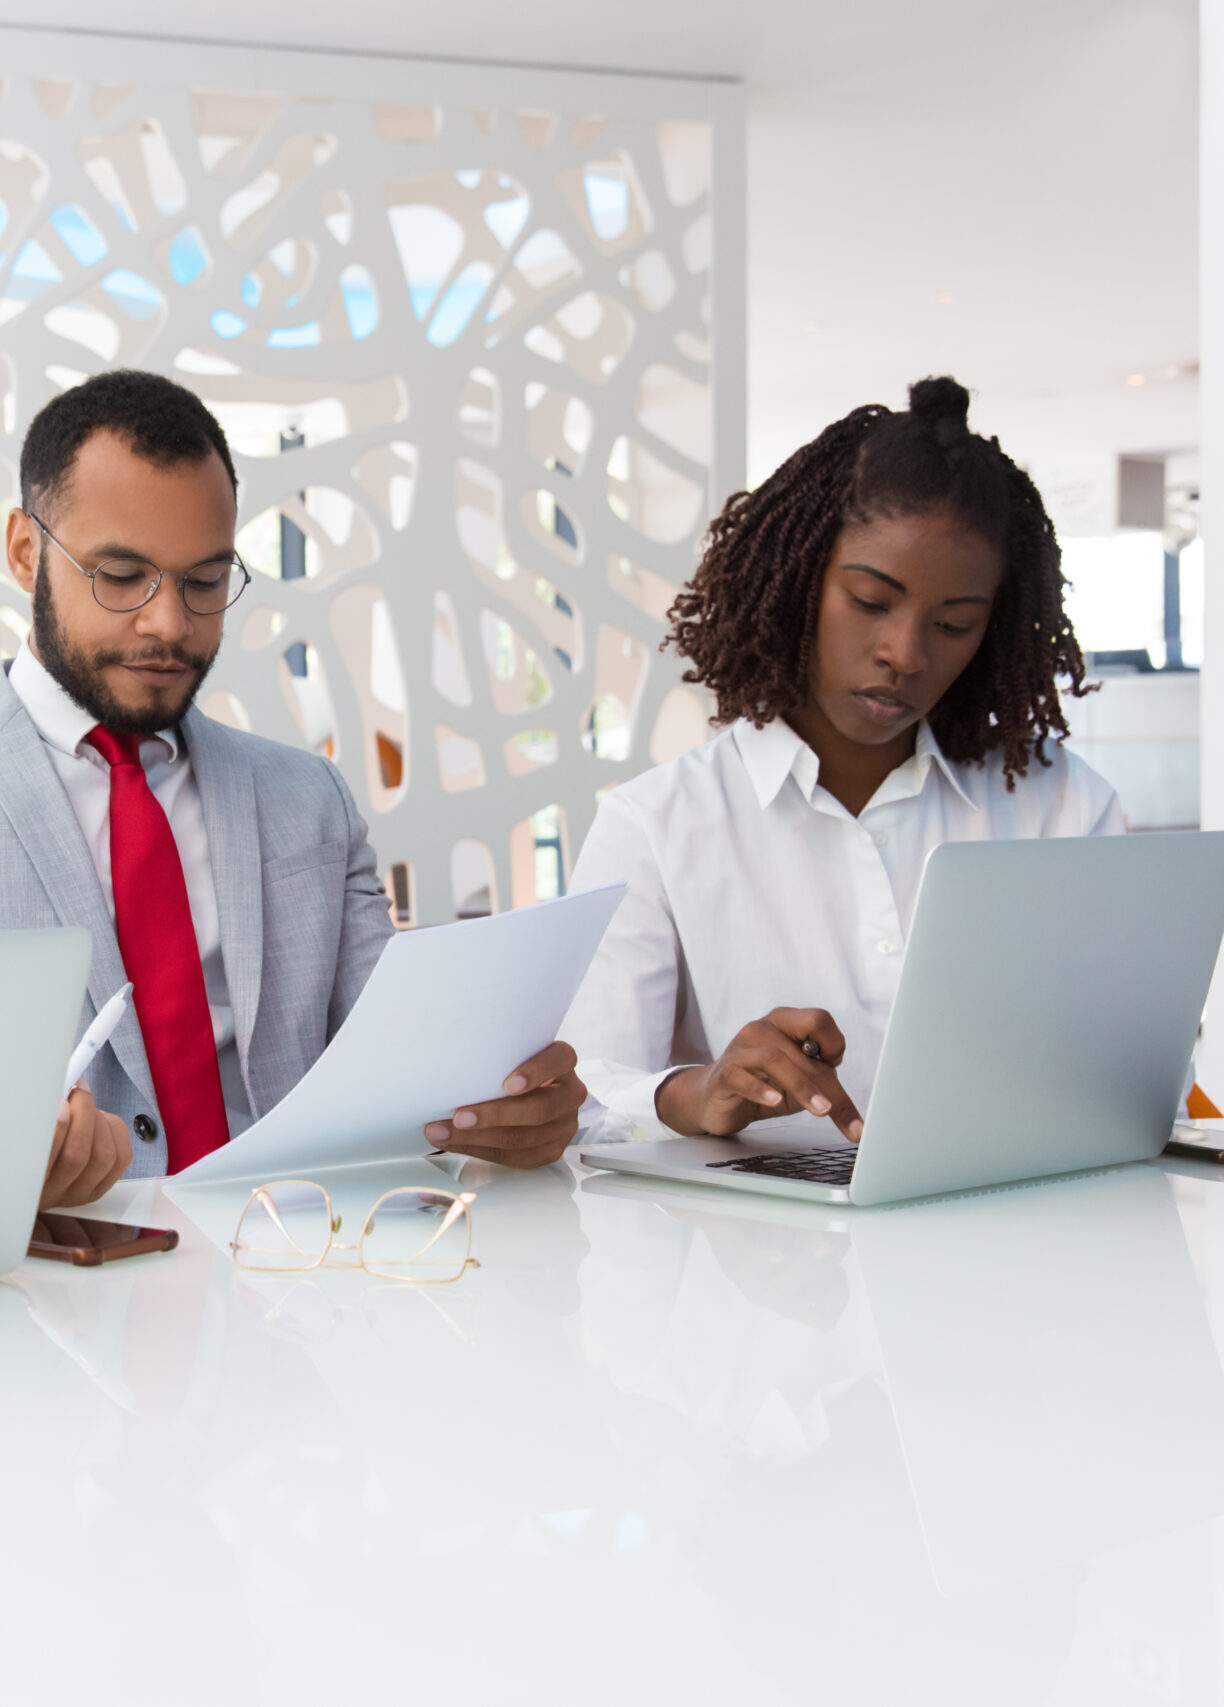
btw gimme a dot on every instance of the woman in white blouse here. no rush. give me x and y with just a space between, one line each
881 624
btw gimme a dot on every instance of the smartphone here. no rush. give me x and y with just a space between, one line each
1200 1143
77 1239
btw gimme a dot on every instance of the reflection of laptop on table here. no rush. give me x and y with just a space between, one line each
1056 1387
1044 1023
1053 1377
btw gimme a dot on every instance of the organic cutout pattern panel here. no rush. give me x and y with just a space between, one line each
464 360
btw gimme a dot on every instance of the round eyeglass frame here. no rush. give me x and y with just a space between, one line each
181 577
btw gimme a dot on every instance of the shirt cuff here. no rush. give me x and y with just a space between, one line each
629 1094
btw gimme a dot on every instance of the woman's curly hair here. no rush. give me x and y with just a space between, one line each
747 619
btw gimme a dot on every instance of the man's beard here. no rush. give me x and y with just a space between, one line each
80 674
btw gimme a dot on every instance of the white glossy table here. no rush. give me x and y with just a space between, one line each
666 1445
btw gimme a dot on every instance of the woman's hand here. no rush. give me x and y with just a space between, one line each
527 1128
762 1072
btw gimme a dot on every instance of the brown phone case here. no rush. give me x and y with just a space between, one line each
1194 1152
109 1240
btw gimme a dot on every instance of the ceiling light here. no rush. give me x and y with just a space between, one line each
1136 379
945 296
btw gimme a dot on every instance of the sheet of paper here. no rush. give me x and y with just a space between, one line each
446 1016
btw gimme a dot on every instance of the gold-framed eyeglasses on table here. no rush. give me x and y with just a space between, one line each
412 1233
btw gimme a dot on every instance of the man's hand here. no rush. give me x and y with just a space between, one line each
530 1125
763 1072
89 1153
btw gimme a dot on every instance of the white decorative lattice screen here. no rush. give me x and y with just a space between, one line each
476 336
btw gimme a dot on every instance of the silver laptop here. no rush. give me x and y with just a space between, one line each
1044 1023
42 987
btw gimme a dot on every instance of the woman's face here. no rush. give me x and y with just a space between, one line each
904 608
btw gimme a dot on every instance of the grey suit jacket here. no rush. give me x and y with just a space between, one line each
303 914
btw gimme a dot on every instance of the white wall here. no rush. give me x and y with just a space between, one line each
1142 733
1211 1063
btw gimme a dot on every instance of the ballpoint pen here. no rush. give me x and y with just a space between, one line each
95 1036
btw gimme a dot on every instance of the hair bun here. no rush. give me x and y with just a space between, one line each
942 407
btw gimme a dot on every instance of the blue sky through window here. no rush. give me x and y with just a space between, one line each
187 257
460 303
506 219
138 299
608 201
360 302
295 337
33 273
33 262
78 234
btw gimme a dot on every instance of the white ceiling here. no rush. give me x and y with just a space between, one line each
1036 163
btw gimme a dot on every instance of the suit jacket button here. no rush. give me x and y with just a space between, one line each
145 1127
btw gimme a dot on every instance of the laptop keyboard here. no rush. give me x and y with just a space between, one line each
821 1167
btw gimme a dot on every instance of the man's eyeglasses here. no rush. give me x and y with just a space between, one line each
126 583
414 1234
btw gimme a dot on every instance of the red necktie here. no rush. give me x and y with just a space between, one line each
161 957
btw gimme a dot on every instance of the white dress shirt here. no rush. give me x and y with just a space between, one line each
85 775
752 888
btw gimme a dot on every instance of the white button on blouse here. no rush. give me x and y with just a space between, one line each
751 888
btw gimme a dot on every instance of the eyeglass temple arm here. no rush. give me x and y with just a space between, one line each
273 1213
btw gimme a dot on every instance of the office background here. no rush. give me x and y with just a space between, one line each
469 333
493 341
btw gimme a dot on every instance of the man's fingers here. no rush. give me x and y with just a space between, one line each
57 1140
112 1177
106 1162
123 1145
551 1063
87 1182
89 1154
70 1157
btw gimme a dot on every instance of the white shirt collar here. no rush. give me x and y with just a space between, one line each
773 753
55 714
769 756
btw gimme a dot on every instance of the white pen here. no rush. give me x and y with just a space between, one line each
95 1036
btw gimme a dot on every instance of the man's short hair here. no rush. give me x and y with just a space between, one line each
161 421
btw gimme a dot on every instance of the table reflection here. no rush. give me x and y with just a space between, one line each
949 1410
741 1447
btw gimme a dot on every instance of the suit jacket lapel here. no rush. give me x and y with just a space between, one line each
34 801
227 795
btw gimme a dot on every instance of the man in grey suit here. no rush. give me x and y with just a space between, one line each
125 541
